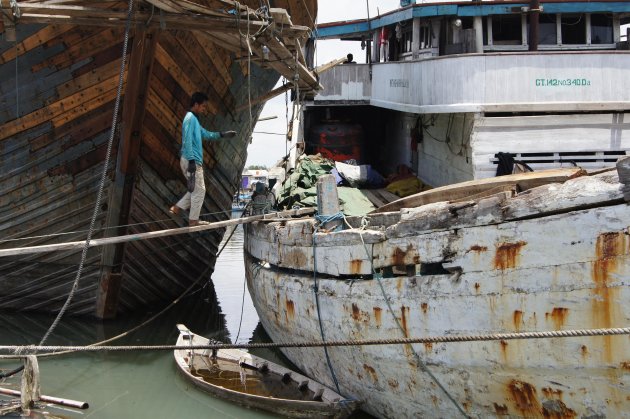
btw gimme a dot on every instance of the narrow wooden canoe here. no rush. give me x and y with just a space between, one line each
237 376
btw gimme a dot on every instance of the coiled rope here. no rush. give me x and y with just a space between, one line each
19 351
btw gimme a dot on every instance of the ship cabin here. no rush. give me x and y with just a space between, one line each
459 90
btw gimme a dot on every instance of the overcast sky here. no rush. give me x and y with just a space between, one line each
267 149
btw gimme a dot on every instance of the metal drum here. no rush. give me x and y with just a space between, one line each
338 141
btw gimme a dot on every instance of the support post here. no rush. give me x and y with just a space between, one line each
328 201
478 25
415 38
30 382
534 18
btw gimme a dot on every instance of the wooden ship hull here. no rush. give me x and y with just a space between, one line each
59 84
553 258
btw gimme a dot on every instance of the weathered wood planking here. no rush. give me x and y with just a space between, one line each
461 190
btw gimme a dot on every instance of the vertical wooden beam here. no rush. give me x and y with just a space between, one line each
30 386
328 201
121 192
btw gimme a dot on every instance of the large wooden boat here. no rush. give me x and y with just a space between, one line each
449 90
60 65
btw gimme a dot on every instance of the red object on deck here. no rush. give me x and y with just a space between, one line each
338 141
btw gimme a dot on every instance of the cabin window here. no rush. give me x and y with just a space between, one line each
573 29
547 29
405 37
506 30
601 29
425 35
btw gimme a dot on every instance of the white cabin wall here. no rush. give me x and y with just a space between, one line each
588 135
444 153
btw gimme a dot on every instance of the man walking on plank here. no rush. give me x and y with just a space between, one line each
191 161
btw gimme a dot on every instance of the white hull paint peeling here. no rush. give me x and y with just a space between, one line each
556 257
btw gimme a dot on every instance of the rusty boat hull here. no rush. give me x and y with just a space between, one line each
554 258
59 86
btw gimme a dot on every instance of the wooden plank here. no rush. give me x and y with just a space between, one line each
89 46
64 110
39 38
325 67
217 54
461 190
90 78
153 234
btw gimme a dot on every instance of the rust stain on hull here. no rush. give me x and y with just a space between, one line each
607 248
507 255
355 266
403 320
517 319
371 372
524 396
290 309
294 258
504 348
558 316
377 316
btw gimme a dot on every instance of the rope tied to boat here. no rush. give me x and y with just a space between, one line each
17 351
319 314
323 219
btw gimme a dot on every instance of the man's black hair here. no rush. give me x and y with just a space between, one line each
198 97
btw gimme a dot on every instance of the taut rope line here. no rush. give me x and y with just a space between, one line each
19 351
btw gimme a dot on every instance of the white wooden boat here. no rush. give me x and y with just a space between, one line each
250 381
553 258
450 89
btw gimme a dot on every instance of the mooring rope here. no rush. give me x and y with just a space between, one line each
319 314
18 351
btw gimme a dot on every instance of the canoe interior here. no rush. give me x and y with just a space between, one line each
238 376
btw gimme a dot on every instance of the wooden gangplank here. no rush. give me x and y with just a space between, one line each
153 234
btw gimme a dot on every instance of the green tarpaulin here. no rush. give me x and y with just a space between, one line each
300 188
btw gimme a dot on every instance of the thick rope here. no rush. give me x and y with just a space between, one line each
18 351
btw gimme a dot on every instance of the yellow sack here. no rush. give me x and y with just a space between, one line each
405 187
